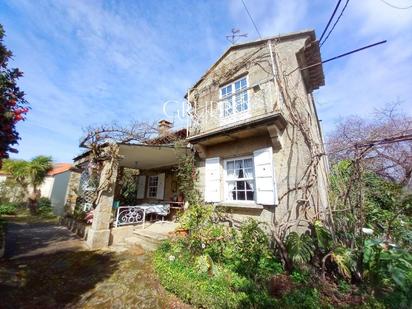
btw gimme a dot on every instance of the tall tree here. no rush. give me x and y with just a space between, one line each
13 106
37 170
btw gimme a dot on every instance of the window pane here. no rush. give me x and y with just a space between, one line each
250 195
241 196
240 185
248 173
249 185
248 162
239 164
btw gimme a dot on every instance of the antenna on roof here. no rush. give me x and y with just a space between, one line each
234 37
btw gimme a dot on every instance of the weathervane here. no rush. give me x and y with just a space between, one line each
234 37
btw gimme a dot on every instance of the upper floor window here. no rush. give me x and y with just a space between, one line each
235 97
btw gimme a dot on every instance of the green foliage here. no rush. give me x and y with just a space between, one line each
301 277
344 286
25 173
187 177
8 209
322 235
44 206
343 258
128 190
249 254
307 298
196 216
300 248
387 266
37 169
177 275
235 263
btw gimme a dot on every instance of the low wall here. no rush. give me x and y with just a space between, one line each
118 234
79 228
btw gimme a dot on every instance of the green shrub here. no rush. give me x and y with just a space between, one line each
300 276
250 254
307 298
8 209
387 267
221 290
44 206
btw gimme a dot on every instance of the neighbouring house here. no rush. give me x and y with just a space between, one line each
54 186
256 136
255 129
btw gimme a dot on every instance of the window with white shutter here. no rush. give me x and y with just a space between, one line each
239 179
212 180
266 192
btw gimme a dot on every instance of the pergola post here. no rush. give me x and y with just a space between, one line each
99 234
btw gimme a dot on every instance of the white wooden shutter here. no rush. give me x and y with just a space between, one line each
212 180
265 177
141 185
160 186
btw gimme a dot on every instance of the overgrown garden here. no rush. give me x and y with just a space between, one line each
358 254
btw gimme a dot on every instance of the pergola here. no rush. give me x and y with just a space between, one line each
137 156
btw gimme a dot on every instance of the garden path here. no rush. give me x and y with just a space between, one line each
46 266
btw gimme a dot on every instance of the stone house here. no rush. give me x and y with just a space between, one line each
256 132
256 135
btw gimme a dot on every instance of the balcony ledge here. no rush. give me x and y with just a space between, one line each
235 128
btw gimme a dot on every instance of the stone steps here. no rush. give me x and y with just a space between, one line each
148 240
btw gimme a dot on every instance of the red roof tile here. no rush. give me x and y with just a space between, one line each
59 168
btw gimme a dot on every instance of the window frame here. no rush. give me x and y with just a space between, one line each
233 97
227 179
151 186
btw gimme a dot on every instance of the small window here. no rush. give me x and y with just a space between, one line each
235 97
240 180
152 186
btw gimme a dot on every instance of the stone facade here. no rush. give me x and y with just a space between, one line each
260 61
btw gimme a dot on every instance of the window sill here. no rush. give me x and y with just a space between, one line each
250 205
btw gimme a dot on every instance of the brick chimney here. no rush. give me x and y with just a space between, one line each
164 127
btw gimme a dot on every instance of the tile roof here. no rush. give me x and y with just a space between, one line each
59 168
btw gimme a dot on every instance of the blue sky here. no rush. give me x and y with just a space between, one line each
91 62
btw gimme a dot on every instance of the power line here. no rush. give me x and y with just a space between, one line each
250 16
337 57
395 6
334 25
330 20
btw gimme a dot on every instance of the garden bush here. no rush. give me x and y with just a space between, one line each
8 209
44 206
178 275
218 266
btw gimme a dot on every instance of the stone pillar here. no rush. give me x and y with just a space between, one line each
98 236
